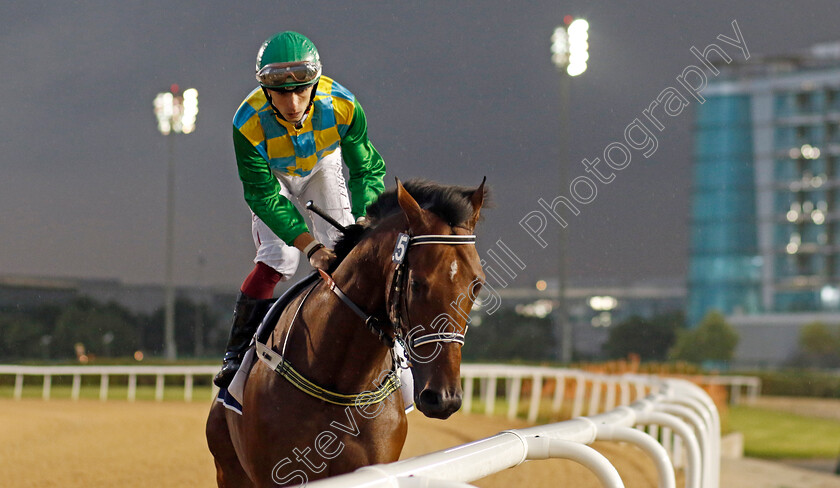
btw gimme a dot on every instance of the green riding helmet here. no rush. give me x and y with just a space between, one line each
288 60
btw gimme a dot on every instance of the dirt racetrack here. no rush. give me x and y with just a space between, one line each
67 444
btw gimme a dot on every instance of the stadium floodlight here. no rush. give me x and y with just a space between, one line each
176 112
560 48
578 46
570 46
569 53
189 111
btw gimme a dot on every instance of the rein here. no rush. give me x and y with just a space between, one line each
397 306
397 302
280 365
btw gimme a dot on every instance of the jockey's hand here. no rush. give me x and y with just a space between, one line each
322 258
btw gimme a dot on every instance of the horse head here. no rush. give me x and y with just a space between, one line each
440 283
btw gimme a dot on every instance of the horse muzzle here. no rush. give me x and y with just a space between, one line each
438 404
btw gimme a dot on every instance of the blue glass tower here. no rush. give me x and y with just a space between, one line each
724 271
765 221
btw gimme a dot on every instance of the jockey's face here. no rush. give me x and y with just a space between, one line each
292 104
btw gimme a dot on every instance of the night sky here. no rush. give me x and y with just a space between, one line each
453 91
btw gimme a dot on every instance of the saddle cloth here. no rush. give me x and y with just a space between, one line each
231 396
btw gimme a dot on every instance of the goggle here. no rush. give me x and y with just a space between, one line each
279 75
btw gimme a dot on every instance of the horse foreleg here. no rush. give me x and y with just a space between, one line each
229 471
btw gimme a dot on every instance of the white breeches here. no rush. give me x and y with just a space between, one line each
326 187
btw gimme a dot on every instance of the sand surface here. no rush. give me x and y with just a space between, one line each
68 444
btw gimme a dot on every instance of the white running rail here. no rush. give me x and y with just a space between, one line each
678 406
590 393
105 373
682 423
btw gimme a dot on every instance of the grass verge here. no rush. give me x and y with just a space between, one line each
777 435
116 392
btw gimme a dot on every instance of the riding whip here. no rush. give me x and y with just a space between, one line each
310 205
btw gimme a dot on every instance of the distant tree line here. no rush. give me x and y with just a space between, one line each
62 332
505 336
508 336
665 337
650 338
819 346
105 330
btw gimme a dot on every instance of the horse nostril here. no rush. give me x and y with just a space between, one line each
455 402
439 404
430 398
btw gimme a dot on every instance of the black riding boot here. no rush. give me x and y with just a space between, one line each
247 316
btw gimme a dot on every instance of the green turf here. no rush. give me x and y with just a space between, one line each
776 435
115 392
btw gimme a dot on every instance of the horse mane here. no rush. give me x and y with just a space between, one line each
449 202
352 235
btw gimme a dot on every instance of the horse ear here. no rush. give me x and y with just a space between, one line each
477 199
410 207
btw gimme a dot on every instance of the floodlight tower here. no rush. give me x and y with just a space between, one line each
569 53
176 113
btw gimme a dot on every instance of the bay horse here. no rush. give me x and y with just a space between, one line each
323 397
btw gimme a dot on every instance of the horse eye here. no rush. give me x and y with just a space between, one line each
416 285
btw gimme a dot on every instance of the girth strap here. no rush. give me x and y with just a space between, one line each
282 367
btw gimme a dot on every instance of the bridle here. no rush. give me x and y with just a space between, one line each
397 307
396 300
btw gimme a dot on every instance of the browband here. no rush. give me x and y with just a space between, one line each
441 239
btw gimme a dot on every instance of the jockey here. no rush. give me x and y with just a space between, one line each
290 136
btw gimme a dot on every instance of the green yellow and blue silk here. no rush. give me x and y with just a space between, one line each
267 147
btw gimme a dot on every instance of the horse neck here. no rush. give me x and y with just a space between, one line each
346 352
364 273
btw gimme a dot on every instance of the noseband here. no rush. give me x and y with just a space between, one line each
397 305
